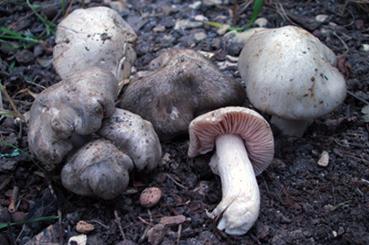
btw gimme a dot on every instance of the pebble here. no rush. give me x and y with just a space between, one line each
4 215
195 5
200 18
321 18
199 36
150 197
156 234
159 28
24 56
324 159
84 227
365 47
261 22
212 2
119 6
222 30
186 24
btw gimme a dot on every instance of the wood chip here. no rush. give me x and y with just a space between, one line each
173 220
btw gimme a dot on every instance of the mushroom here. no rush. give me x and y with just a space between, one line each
101 167
244 148
181 85
290 74
95 36
65 113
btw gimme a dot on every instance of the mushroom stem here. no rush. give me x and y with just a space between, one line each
291 127
240 204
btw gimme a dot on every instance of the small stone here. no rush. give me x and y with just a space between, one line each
165 159
261 22
199 36
321 18
18 216
173 220
200 18
222 30
84 227
156 234
334 233
365 47
195 5
324 159
212 2
119 6
24 56
159 28
186 24
78 240
150 197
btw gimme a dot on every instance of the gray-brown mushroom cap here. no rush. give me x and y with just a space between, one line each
97 169
135 137
96 36
246 123
66 112
182 85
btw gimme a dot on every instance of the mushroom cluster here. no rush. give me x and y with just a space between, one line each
74 125
75 121
291 75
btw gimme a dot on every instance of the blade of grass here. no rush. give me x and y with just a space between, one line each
6 33
256 9
50 26
38 219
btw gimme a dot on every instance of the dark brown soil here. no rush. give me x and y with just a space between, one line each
301 202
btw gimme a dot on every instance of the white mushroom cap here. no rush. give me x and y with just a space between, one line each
95 36
291 74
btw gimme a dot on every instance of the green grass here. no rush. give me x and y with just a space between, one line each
49 26
38 219
256 10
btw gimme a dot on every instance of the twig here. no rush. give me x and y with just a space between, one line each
13 200
5 182
11 102
98 222
179 233
117 221
343 42
358 98
145 221
176 182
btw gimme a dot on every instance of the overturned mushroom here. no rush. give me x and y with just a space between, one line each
63 114
290 74
95 36
183 84
101 167
244 148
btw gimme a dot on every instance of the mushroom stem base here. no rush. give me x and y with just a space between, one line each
291 127
240 203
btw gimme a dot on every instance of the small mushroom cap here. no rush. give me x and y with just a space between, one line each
183 84
246 123
134 136
291 74
97 169
64 113
95 36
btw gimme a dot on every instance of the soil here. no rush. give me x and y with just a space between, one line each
301 202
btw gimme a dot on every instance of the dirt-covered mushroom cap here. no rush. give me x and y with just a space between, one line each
95 36
183 84
134 136
65 112
290 74
97 169
248 124
244 148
